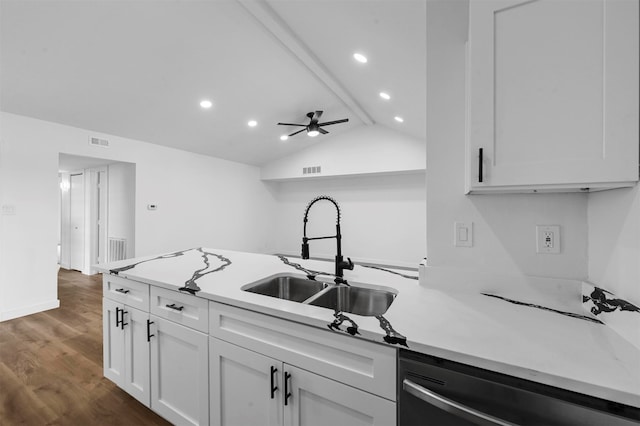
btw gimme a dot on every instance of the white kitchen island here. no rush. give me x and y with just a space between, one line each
535 332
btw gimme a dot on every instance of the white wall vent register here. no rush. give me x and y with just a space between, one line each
104 143
311 170
117 249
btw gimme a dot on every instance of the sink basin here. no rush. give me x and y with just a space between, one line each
356 300
285 286
364 299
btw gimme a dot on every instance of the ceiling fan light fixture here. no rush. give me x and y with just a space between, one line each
313 130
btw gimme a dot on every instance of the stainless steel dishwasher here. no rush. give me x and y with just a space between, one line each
438 392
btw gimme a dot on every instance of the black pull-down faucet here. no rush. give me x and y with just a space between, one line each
341 264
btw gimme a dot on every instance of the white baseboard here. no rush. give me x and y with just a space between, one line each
28 310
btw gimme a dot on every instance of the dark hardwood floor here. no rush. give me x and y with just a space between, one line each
51 365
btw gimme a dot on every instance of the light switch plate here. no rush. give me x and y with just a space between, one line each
463 234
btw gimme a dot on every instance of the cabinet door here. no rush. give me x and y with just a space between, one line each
318 401
245 388
179 373
553 94
113 342
136 354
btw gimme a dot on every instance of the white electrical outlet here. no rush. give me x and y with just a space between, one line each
548 239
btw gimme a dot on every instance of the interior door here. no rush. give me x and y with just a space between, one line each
99 216
76 222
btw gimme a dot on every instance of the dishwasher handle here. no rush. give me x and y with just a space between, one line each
451 406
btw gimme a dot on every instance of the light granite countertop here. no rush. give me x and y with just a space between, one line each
534 331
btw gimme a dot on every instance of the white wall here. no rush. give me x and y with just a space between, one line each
383 217
202 201
121 204
504 225
366 149
614 241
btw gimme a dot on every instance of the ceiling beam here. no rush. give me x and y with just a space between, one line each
279 28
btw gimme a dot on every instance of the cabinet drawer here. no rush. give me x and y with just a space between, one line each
352 361
132 293
181 308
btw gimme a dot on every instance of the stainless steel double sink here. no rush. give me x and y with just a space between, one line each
359 299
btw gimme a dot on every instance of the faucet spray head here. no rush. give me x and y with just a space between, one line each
323 197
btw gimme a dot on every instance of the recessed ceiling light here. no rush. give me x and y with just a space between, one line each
284 137
206 104
385 96
360 58
252 123
399 119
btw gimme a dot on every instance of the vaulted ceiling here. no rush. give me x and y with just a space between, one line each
139 69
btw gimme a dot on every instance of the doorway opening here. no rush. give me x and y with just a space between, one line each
97 212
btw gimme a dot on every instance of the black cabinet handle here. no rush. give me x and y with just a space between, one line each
149 335
480 164
122 290
274 370
118 320
122 323
287 394
173 306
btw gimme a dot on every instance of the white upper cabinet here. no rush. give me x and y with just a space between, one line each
552 95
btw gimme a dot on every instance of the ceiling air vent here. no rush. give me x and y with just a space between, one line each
313 170
98 142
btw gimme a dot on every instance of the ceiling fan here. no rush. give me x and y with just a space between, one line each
314 128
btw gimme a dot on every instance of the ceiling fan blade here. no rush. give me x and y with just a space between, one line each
316 116
291 124
323 131
327 123
295 133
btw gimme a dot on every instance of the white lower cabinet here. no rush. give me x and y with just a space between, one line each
248 388
179 373
125 348
160 358
198 362
318 401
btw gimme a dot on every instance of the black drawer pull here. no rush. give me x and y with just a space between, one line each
122 323
173 306
274 370
287 394
480 152
149 335
122 290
